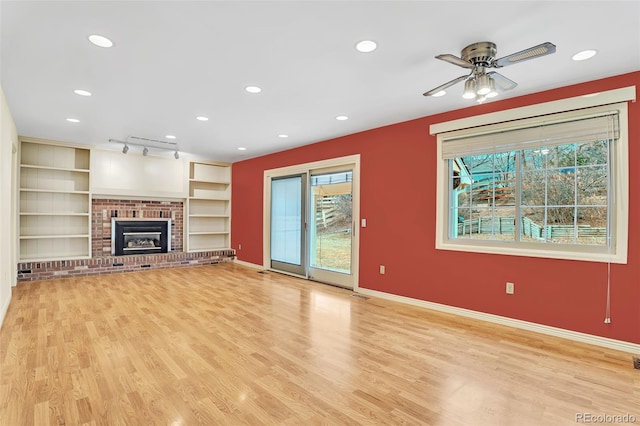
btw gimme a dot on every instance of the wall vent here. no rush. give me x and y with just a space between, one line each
360 296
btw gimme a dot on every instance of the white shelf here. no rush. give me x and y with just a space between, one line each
48 237
62 169
55 203
213 173
53 180
53 214
208 220
49 259
208 233
205 242
58 248
210 199
209 181
54 191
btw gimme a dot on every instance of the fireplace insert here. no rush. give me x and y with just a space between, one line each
142 236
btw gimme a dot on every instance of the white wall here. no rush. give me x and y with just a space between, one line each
116 174
8 208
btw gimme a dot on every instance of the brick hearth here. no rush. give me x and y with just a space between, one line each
30 271
102 262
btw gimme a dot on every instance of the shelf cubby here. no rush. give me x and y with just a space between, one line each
208 215
55 203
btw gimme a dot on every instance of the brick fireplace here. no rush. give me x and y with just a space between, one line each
103 262
105 209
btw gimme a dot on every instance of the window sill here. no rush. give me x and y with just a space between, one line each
534 252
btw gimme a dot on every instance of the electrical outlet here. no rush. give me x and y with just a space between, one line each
239 246
510 288
382 269
636 363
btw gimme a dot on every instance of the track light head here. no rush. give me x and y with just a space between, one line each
145 151
125 149
176 155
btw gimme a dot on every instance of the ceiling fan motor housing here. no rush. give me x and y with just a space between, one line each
482 53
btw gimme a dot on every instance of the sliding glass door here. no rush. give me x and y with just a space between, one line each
311 212
331 227
288 222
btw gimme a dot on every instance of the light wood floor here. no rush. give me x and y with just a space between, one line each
226 345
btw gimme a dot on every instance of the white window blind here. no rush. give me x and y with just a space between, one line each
554 130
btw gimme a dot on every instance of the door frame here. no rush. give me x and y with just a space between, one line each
353 161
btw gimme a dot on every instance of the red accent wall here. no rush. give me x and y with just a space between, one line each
400 206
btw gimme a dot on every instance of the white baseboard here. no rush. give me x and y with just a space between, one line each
525 325
4 308
248 264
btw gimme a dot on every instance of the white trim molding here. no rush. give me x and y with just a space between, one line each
338 162
248 264
623 94
616 249
605 342
4 308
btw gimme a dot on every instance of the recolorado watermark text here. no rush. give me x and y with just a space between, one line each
605 418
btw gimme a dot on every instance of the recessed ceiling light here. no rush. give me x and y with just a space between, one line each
242 148
438 94
82 92
202 118
170 137
73 120
283 136
342 118
366 46
100 41
585 54
253 89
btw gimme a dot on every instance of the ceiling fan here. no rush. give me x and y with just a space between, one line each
479 57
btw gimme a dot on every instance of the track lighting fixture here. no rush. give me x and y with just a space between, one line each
148 144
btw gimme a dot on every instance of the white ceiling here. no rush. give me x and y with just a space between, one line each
175 60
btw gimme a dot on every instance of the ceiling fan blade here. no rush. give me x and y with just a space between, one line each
446 85
502 82
524 55
453 59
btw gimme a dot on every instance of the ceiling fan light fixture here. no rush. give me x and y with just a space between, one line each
469 89
483 84
492 89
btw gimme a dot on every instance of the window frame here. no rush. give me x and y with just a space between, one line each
505 120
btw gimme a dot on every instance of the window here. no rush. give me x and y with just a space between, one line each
546 186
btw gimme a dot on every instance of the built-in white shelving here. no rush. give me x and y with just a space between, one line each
208 208
55 203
